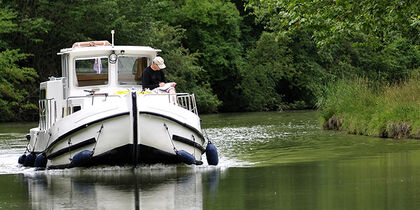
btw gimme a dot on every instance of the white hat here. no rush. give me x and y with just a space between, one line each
160 62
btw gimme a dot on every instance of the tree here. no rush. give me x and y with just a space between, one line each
61 23
365 38
15 81
282 73
212 32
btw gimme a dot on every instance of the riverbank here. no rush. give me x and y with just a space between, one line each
359 107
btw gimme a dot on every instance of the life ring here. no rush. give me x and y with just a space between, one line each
91 44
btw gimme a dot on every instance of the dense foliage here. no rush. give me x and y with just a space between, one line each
333 39
234 55
16 81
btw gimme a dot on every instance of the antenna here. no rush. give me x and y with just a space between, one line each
112 33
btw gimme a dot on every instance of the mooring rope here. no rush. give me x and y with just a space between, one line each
169 135
97 138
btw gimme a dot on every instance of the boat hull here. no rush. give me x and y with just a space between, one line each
121 156
119 136
110 140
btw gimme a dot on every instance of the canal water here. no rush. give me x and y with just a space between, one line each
273 160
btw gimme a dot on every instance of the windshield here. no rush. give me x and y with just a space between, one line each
92 71
130 69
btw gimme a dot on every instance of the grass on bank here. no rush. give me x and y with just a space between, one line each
361 107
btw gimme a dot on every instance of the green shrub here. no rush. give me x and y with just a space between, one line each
371 109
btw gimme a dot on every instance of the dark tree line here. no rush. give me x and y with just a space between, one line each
234 55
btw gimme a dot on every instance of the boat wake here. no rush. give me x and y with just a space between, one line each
14 145
9 165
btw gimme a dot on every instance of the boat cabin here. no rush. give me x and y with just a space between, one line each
97 69
91 68
97 64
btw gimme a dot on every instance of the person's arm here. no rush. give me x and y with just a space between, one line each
163 76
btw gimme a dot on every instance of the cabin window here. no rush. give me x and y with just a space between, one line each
130 69
92 71
76 108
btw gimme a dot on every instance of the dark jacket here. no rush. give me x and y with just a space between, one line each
151 79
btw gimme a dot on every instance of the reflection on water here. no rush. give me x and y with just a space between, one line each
267 161
266 139
391 181
156 187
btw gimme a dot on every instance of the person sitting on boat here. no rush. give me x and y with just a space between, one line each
153 78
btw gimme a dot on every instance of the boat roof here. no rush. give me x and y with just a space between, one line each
99 49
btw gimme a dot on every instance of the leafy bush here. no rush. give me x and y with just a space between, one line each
364 107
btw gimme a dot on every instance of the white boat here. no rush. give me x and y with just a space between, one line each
98 113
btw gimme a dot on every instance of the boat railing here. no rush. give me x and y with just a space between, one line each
47 113
183 100
186 101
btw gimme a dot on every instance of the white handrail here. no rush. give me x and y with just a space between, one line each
47 113
184 100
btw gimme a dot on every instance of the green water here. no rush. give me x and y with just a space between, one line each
276 160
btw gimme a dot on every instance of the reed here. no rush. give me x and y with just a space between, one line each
362 107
